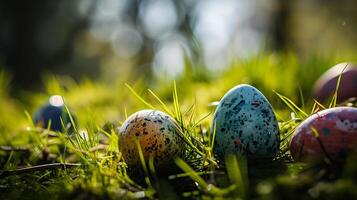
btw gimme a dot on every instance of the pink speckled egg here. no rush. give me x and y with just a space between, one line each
157 134
325 86
337 135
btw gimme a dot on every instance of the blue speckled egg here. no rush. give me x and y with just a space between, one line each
53 112
245 124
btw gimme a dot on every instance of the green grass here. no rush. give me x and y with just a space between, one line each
100 172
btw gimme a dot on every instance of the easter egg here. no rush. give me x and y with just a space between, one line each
158 136
52 113
325 86
245 124
336 129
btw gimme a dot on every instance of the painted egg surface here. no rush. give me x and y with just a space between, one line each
245 124
337 132
325 86
157 134
52 113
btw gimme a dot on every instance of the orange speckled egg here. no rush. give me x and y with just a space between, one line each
157 133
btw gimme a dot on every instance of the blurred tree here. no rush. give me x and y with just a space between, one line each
37 35
280 26
41 35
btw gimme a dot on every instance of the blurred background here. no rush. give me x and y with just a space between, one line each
115 40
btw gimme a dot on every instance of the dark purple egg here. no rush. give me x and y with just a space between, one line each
325 86
337 135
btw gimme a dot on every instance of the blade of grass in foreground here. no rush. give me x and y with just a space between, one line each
194 176
291 104
139 97
213 137
207 188
150 190
334 98
29 118
302 99
125 113
316 103
178 113
161 102
35 136
236 174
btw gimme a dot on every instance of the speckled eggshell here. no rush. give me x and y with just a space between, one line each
337 130
245 124
325 86
157 134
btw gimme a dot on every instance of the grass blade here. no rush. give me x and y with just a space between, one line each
334 98
291 104
139 97
167 110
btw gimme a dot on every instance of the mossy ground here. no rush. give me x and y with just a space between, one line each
100 106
